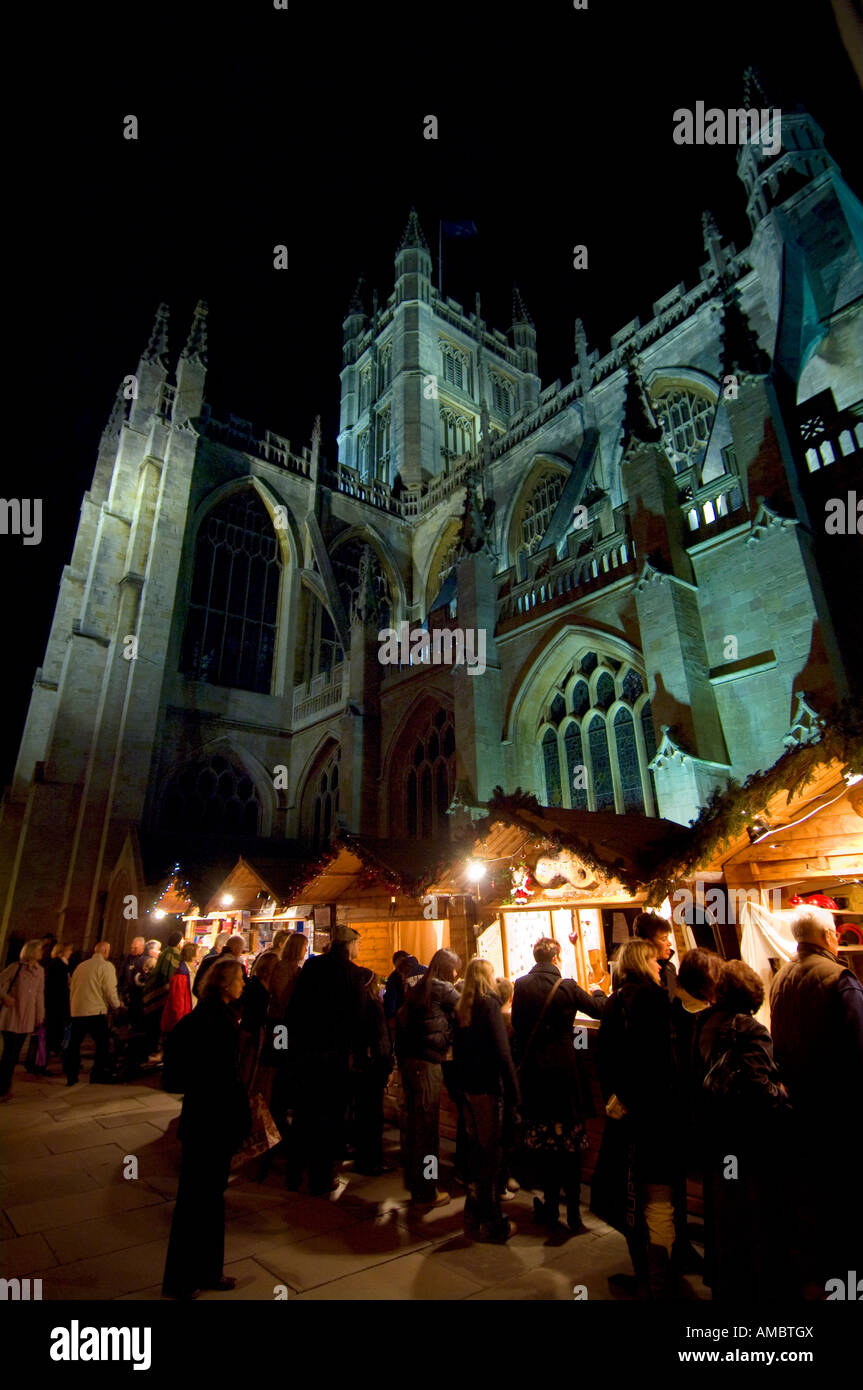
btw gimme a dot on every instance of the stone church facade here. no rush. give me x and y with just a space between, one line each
644 548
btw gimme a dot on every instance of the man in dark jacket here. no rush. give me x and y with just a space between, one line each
555 1093
325 1018
816 1018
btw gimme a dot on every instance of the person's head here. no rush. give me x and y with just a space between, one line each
264 967
408 966
546 951
102 948
444 965
221 941
280 940
699 973
235 946
31 951
399 956
638 958
295 949
61 951
136 947
223 980
345 940
739 989
189 952
815 926
478 981
505 991
153 948
175 939
649 926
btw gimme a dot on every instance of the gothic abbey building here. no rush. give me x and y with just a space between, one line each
644 547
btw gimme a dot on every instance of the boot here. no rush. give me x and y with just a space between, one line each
659 1273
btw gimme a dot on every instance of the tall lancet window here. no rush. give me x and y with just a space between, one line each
231 628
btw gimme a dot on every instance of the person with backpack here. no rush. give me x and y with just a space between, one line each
554 1089
22 1009
746 1128
215 1120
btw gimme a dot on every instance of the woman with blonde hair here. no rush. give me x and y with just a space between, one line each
641 1152
22 1008
489 1088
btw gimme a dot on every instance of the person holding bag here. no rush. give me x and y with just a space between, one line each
22 1009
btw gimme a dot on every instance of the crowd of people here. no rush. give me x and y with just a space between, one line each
294 1056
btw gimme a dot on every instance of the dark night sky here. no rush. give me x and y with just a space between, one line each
305 127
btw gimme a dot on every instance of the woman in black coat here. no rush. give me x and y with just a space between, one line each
57 979
555 1093
214 1123
640 1163
423 1036
746 1137
488 1087
371 1064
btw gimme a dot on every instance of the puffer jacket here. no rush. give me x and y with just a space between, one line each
425 1025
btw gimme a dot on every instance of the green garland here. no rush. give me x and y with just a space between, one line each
511 808
728 813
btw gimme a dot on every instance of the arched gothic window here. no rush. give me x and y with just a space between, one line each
457 367
503 395
457 435
686 419
597 739
346 567
212 796
231 628
429 779
536 514
326 801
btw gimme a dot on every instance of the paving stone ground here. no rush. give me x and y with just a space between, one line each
70 1218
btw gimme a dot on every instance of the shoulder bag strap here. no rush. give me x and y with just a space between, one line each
542 1013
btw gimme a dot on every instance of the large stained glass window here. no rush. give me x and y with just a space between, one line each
231 628
593 757
213 797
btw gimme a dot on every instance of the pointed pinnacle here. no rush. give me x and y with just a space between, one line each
413 234
709 229
157 348
356 305
753 89
519 311
196 345
637 420
117 416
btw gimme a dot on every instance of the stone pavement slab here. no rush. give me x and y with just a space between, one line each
24 1255
413 1276
101 1202
87 1239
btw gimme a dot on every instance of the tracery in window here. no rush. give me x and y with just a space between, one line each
595 757
212 796
426 785
686 419
230 634
346 567
536 513
457 367
457 435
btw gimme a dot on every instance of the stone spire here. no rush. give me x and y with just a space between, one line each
473 533
519 311
366 606
741 354
753 90
638 423
356 305
413 234
156 350
713 242
196 344
582 357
